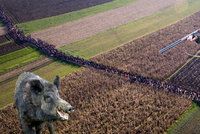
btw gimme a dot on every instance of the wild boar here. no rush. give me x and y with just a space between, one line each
38 102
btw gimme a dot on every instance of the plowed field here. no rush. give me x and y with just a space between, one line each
26 10
9 47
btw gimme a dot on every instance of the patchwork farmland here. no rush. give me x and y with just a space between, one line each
20 10
108 102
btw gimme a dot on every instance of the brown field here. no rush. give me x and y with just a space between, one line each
26 10
70 32
188 76
108 104
10 47
142 55
153 7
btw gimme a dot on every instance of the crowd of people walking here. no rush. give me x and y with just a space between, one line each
49 50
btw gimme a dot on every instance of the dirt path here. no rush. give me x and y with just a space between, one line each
78 30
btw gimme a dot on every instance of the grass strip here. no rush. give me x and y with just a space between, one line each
24 60
120 35
16 55
18 58
100 43
44 23
184 119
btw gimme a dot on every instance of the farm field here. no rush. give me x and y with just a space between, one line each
115 106
20 64
17 59
39 24
108 103
142 55
67 33
96 45
9 47
117 3
23 10
188 78
42 62
188 122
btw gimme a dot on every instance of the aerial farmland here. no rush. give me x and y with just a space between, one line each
106 53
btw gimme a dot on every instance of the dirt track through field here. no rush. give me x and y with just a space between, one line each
86 27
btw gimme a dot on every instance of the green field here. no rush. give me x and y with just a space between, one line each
188 123
106 41
17 59
40 24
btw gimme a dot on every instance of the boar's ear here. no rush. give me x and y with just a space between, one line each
57 82
36 86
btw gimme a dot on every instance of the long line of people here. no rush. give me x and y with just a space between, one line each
50 50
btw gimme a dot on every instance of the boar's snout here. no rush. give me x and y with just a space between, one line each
64 108
71 109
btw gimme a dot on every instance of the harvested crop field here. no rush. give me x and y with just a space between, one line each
106 103
142 55
188 76
26 10
88 26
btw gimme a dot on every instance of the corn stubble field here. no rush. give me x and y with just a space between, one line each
107 103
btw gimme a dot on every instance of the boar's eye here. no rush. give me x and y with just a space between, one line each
47 99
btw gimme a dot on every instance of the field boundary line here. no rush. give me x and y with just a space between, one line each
179 69
12 74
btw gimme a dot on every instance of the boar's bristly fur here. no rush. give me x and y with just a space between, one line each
37 101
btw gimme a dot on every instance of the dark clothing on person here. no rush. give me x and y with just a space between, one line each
198 37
